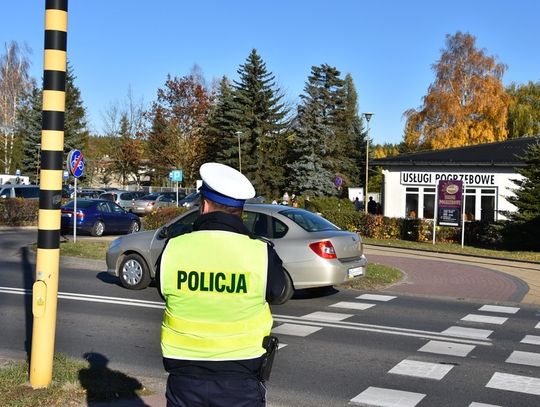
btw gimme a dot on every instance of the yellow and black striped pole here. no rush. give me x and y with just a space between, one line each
45 289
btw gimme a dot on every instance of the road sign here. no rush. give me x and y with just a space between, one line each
17 173
75 162
176 175
338 181
66 175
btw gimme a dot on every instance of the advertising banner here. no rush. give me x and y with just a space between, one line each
449 202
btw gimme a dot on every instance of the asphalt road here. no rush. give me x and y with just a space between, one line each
337 349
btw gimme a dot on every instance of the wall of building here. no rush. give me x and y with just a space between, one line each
486 187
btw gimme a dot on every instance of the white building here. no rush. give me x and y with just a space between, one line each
487 171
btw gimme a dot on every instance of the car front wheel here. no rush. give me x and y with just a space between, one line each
134 227
98 228
134 273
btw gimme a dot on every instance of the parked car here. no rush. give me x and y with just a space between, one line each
19 191
97 217
150 203
191 201
123 198
315 252
172 195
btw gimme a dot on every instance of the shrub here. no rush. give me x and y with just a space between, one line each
18 211
158 218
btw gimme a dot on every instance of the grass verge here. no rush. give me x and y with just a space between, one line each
455 249
87 250
73 383
377 276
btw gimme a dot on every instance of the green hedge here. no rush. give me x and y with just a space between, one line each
18 211
158 218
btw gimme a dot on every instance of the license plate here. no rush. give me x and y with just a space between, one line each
355 272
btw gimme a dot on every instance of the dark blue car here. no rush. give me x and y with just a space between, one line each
98 216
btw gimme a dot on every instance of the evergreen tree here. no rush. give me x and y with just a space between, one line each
29 123
309 173
223 126
75 125
522 232
29 127
350 141
527 195
325 127
261 121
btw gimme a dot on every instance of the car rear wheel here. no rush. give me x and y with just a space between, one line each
98 228
289 287
134 227
134 273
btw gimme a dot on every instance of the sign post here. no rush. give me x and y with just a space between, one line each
75 163
176 175
449 205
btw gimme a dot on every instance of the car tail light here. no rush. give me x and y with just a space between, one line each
151 203
323 249
80 215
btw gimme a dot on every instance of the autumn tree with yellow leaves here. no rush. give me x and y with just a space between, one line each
467 104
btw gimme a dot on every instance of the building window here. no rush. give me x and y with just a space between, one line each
487 209
429 203
411 203
470 204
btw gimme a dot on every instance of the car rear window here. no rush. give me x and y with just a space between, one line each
80 204
27 192
308 220
149 197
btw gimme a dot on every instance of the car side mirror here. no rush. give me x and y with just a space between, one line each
164 232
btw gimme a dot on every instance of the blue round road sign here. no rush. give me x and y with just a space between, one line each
75 163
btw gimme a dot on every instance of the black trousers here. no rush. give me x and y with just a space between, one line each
189 391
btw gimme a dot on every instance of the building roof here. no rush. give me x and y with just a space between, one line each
498 154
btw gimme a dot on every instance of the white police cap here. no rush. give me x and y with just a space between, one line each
225 185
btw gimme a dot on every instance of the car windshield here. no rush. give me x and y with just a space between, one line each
308 220
149 197
80 204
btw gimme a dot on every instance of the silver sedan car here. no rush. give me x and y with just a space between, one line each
315 252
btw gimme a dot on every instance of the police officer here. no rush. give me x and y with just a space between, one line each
217 282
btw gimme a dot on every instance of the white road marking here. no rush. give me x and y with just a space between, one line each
497 308
511 382
425 370
484 319
463 332
295 330
376 297
531 339
326 316
352 305
475 404
281 345
380 397
537 325
354 326
524 358
391 330
447 348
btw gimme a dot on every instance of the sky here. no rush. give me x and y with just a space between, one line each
389 47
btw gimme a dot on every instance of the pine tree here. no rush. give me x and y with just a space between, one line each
522 231
313 133
325 127
29 127
222 127
527 195
350 140
75 125
262 123
29 123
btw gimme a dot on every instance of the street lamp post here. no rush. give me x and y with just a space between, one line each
238 134
368 118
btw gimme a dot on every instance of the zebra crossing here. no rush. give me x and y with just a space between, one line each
473 326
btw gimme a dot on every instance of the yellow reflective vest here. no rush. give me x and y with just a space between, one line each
214 284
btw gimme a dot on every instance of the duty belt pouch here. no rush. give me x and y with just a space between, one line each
270 343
